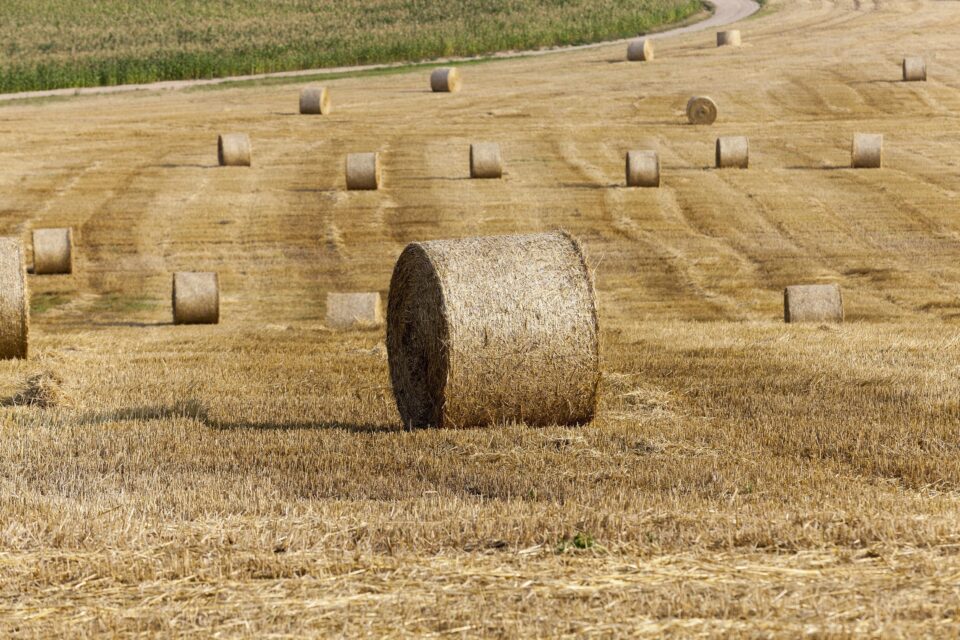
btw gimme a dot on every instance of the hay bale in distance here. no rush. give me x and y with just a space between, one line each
196 297
485 160
446 80
14 300
701 110
233 150
813 303
315 101
733 151
643 168
914 69
729 38
492 330
363 171
52 251
867 151
640 50
348 310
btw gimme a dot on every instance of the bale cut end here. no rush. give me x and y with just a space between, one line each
233 150
446 80
640 50
485 160
52 251
701 110
315 101
733 152
14 300
914 69
363 171
867 151
729 38
812 303
349 310
643 168
196 297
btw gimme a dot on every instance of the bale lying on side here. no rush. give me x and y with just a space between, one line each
701 110
445 80
196 297
867 151
233 150
347 310
52 251
643 168
315 101
812 303
733 151
914 69
14 300
640 50
485 160
729 38
363 171
492 330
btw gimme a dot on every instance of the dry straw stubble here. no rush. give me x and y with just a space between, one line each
730 38
733 152
52 251
914 69
196 297
813 303
348 310
486 161
491 330
643 168
315 101
363 171
701 110
234 150
14 300
640 50
866 151
445 80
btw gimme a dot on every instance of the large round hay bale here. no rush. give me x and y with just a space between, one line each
640 50
914 69
813 303
729 38
196 297
233 150
52 251
701 110
492 330
14 300
363 171
315 101
733 151
348 310
445 80
485 160
643 168
867 151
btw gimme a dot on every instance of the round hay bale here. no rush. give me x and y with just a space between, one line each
867 151
14 300
196 297
348 310
813 303
233 150
485 160
701 110
641 50
492 330
52 251
315 101
729 38
914 69
643 168
363 171
733 151
445 80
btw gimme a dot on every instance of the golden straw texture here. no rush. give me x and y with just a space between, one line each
196 297
733 152
701 110
233 150
485 160
643 168
445 80
14 300
363 171
729 38
813 303
867 151
640 50
315 101
52 251
347 310
914 69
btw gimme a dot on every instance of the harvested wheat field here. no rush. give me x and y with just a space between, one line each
742 476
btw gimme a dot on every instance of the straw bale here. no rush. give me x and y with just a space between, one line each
733 151
485 160
196 297
445 80
641 50
315 101
363 171
914 69
643 168
14 300
347 310
233 150
867 151
701 110
52 251
729 38
813 303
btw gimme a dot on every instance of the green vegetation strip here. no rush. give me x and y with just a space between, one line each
52 44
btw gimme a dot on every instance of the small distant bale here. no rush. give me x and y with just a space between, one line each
729 38
196 297
643 168
914 69
363 171
52 251
813 303
14 300
446 80
315 101
701 110
640 50
867 151
733 152
233 150
348 310
485 160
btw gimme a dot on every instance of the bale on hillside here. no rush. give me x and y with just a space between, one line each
233 150
914 69
813 303
643 168
196 297
485 160
52 251
867 151
729 38
14 300
363 171
315 101
492 330
445 80
346 310
640 50
701 110
733 151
